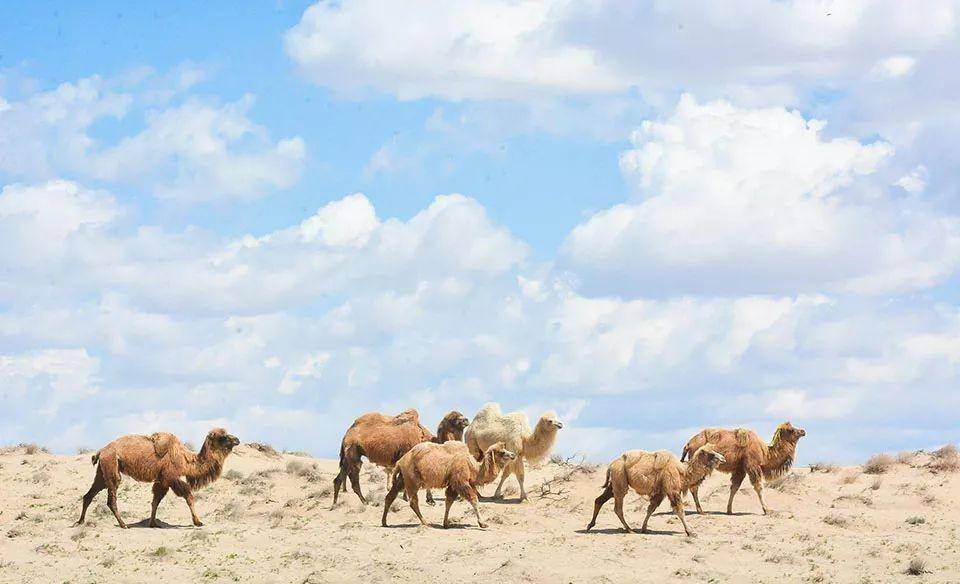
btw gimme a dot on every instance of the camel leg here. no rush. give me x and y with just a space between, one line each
735 481
655 501
618 509
503 477
112 503
471 495
97 486
354 475
159 492
182 489
695 491
677 503
756 479
391 497
605 496
451 497
415 503
518 470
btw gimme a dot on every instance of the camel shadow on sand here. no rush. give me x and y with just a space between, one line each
620 531
145 524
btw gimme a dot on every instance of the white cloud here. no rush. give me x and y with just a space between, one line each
894 67
193 152
759 193
532 48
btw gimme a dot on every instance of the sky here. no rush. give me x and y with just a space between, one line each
651 217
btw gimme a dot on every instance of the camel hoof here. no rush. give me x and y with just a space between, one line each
152 524
78 523
483 525
123 526
691 534
589 527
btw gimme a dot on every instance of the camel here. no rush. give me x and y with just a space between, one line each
490 426
384 439
450 465
163 460
747 456
655 475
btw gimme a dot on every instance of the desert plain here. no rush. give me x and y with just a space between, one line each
270 518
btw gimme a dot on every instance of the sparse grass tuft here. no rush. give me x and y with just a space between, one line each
878 464
82 450
786 483
916 520
232 510
825 467
836 520
876 483
233 475
916 567
30 448
848 478
161 552
310 472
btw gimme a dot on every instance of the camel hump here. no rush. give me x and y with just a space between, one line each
163 443
407 416
742 435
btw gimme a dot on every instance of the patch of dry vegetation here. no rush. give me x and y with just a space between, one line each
849 477
916 567
945 459
310 472
836 520
264 449
878 464
824 467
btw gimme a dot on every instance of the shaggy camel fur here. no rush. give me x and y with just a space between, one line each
490 426
161 459
384 439
747 456
449 465
655 475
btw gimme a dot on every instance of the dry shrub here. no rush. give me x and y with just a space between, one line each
875 485
856 498
848 478
233 475
787 483
276 517
836 520
878 464
916 567
232 510
82 451
40 477
310 472
264 448
906 457
945 459
915 520
825 467
30 448
320 493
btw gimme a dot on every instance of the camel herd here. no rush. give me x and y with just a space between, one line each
463 456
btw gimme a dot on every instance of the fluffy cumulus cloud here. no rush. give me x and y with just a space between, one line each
763 194
191 150
506 49
287 335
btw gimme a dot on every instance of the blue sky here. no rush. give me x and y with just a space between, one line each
649 216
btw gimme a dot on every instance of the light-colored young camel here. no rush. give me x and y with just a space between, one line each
448 466
490 426
655 475
748 456
384 439
163 460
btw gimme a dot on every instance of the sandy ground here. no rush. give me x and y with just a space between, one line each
270 520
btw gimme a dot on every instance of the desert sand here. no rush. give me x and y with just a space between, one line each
269 519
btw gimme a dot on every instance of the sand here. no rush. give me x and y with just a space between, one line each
269 519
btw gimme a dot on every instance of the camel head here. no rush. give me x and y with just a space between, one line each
218 440
787 432
708 456
500 454
550 420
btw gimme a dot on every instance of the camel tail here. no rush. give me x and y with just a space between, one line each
606 481
95 458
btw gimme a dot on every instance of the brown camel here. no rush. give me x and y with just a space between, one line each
161 459
384 439
449 465
655 475
747 456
